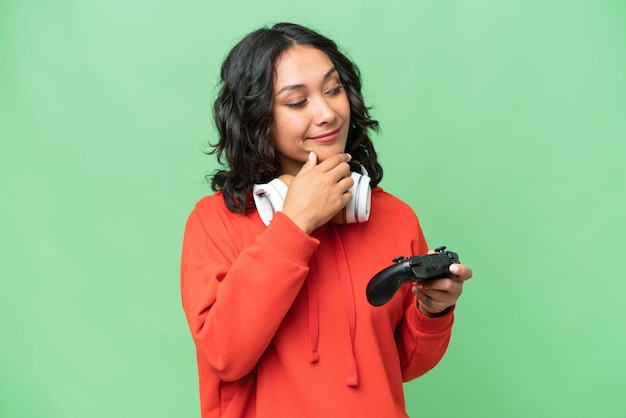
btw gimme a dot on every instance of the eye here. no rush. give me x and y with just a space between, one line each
335 90
297 104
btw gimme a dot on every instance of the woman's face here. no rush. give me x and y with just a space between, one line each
311 111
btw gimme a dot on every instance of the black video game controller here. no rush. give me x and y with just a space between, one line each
386 283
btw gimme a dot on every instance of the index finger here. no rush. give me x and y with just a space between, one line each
334 160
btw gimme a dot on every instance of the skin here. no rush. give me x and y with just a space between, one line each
311 118
435 296
311 111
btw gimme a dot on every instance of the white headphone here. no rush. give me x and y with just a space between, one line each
269 199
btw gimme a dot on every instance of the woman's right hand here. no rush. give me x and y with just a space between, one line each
318 191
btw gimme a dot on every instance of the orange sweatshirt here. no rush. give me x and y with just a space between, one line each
280 319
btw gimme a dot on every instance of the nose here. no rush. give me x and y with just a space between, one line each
324 112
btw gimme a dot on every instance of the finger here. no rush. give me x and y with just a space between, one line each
444 284
334 160
346 182
424 298
309 164
440 298
337 168
342 172
460 272
431 302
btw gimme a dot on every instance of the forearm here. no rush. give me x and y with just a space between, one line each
234 307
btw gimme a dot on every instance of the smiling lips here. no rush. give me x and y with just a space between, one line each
327 136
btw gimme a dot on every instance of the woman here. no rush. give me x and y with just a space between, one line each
278 313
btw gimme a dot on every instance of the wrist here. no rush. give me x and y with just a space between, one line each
299 221
434 314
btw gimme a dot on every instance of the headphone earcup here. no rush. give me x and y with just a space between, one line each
269 199
358 209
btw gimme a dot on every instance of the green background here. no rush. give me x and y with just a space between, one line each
502 126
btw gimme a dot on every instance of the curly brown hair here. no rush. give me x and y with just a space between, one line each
243 112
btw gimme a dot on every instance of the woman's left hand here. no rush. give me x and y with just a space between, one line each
435 296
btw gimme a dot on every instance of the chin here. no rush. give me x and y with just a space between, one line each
324 153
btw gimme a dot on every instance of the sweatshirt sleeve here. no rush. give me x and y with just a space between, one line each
422 341
235 298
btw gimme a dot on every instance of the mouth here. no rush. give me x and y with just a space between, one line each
326 136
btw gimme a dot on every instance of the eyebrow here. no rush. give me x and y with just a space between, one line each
299 86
